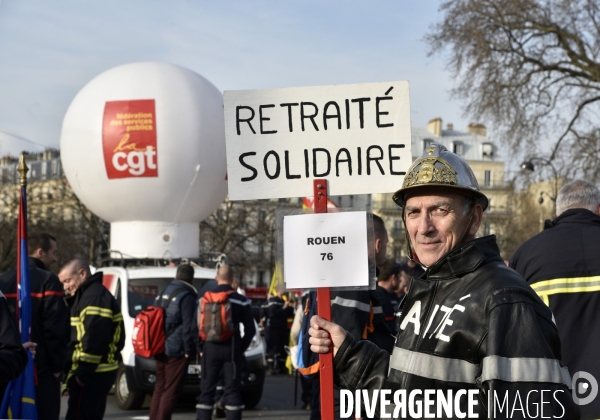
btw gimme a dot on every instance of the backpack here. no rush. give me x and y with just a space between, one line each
308 362
215 324
149 335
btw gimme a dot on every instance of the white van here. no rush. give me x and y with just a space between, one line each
135 288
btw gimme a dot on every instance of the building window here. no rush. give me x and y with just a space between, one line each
487 178
486 229
427 143
457 147
487 150
397 224
261 276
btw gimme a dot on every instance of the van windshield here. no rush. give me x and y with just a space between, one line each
141 292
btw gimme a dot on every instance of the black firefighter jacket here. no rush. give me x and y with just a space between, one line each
49 314
562 264
12 355
469 323
97 333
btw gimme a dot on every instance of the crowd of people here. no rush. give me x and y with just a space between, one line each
78 333
451 316
77 328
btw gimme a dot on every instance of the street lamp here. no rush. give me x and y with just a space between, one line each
529 167
541 199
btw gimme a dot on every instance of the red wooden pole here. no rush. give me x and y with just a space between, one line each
324 311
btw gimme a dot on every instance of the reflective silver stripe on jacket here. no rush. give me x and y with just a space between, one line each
350 303
433 367
204 406
239 302
517 369
524 369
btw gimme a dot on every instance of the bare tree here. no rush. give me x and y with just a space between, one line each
527 220
530 69
52 207
244 231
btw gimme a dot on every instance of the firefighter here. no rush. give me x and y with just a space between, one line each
469 322
276 324
49 320
97 338
225 357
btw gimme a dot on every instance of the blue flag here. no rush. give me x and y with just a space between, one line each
19 398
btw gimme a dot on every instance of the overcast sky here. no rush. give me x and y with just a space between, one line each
50 49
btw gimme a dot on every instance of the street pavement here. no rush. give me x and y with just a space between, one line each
277 402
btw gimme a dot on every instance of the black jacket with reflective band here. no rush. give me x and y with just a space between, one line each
12 355
49 314
97 333
562 265
469 323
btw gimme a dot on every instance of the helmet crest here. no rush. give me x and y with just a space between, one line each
438 167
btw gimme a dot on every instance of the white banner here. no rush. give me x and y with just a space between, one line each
355 136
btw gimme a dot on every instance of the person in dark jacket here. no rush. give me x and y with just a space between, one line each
226 356
12 354
469 324
50 321
97 338
562 265
387 283
181 329
275 311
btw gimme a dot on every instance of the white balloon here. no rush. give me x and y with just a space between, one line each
145 143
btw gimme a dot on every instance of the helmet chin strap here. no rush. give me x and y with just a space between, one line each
412 252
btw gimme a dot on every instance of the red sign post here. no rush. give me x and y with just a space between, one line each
324 311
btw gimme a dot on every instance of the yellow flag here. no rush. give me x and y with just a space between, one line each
277 280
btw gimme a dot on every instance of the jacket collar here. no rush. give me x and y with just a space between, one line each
94 278
181 283
385 292
574 216
223 288
465 259
37 263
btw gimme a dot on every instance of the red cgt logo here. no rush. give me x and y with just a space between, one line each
129 139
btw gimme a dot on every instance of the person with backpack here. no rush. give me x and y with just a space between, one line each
181 332
221 312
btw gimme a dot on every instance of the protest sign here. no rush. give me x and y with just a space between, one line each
279 140
326 250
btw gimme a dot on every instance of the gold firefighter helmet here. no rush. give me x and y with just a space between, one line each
438 167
